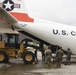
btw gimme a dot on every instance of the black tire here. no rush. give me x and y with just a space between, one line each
5 57
26 57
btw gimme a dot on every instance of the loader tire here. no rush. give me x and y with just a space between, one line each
28 57
3 57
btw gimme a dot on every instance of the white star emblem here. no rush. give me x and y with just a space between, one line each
8 5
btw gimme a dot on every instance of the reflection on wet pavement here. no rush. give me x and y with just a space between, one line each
17 67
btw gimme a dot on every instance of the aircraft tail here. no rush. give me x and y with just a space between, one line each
17 9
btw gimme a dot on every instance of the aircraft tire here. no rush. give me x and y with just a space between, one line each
3 57
28 57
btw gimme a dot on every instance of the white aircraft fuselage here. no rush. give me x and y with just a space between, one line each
55 34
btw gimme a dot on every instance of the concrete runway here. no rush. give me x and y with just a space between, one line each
17 67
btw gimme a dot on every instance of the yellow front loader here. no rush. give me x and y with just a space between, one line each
11 49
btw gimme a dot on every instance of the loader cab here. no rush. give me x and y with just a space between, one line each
11 40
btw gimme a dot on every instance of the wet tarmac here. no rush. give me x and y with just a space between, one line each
17 67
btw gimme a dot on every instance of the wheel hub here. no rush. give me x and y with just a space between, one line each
28 57
1 57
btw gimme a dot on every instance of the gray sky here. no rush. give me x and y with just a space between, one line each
63 11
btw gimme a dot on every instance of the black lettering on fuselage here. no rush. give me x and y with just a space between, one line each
63 32
73 33
23 25
55 32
